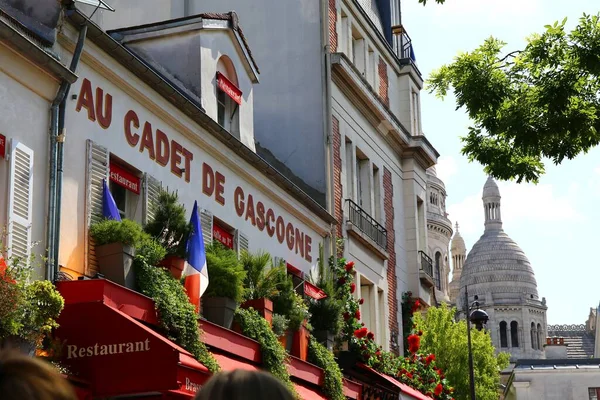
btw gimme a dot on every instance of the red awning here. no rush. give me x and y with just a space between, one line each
307 393
117 354
229 364
403 388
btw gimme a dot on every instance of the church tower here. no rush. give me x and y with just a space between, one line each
499 273
458 251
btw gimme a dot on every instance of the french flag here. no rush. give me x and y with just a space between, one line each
195 270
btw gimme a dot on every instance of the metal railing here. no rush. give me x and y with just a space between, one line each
402 44
426 264
366 224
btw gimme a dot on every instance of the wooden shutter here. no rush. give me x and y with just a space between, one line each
20 202
97 170
241 242
152 187
206 220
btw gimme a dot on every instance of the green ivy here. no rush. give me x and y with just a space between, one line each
273 354
177 315
324 359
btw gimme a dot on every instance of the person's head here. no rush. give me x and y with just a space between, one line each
27 378
246 385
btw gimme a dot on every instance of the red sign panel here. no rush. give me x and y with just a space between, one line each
124 178
2 146
229 88
312 291
222 236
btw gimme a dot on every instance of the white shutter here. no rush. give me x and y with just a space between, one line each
97 169
20 201
206 219
152 187
241 242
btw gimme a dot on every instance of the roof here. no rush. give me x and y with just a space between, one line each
564 363
580 343
189 107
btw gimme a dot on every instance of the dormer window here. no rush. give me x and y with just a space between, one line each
229 97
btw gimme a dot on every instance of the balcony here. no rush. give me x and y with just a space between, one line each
403 48
366 228
426 270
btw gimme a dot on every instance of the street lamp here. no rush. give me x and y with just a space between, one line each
479 318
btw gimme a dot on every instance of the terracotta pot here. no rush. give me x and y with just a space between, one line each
263 306
115 262
300 344
219 310
283 340
174 264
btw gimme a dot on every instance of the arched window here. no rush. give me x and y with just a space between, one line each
503 334
514 334
534 338
437 274
541 339
228 115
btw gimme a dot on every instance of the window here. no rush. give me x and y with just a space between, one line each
227 86
503 334
514 334
358 50
349 170
437 274
376 194
363 190
344 45
125 187
540 337
119 193
534 344
594 393
371 68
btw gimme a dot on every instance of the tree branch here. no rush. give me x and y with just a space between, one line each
511 54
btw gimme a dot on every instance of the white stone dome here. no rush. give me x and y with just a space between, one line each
490 189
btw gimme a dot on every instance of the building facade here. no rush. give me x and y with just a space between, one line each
498 272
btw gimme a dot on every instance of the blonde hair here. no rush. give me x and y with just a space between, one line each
27 378
247 385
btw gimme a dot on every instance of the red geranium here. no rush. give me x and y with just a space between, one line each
3 270
361 301
429 359
416 306
438 389
352 287
346 316
361 333
357 314
349 266
409 375
414 342
341 281
371 336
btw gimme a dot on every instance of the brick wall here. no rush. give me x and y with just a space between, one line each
337 172
388 206
333 37
383 82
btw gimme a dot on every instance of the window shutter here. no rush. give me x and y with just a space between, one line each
206 219
152 188
20 201
97 170
241 242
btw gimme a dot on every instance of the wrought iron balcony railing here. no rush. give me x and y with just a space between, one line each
366 224
426 265
402 44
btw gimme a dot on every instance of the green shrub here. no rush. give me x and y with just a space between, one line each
273 354
178 318
108 231
279 324
326 314
262 278
149 248
324 359
289 303
170 225
226 273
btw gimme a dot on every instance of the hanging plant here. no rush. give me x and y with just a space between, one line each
333 386
273 354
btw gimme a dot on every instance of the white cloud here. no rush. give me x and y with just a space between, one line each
446 167
521 203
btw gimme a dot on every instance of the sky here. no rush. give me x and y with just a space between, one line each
554 222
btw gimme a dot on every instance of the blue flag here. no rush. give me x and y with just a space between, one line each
109 207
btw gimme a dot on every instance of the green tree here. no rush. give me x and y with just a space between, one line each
447 339
528 105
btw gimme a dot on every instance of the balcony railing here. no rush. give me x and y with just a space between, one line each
426 270
366 224
402 44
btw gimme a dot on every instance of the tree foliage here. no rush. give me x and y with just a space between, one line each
526 105
447 339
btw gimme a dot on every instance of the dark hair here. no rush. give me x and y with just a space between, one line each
27 378
247 385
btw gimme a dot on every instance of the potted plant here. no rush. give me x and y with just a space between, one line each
28 309
116 243
226 286
171 228
261 283
279 327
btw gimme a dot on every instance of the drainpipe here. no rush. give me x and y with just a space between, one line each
57 137
329 150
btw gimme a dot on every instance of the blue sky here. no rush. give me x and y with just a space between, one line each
554 222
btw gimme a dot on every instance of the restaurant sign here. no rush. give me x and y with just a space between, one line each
124 178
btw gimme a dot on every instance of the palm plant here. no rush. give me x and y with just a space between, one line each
263 279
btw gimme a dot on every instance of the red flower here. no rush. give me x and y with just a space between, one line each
438 389
414 342
349 266
371 336
362 324
416 306
429 359
357 314
409 375
361 333
3 271
361 301
346 316
409 294
352 287
341 281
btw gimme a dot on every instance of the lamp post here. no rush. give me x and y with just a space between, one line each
479 318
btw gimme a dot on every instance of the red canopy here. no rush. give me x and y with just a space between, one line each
117 354
403 388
